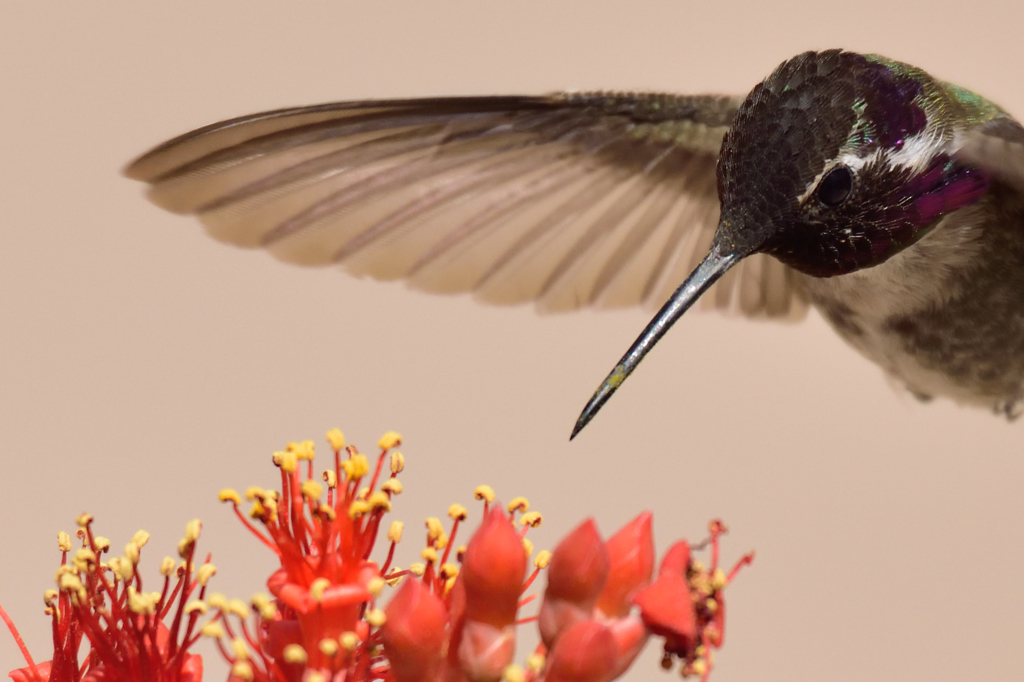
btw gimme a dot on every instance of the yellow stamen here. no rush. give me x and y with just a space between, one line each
448 570
239 608
485 493
142 537
214 629
532 519
124 569
397 463
255 493
457 512
520 504
304 450
389 440
535 662
261 602
375 586
527 547
287 460
63 542
395 531
379 501
392 485
192 529
102 543
239 647
336 438
167 567
295 654
513 673
460 552
131 552
358 508
429 555
229 495
375 617
270 504
143 604
258 510
204 573
348 640
316 589
717 579
242 670
217 601
328 647
84 559
83 520
542 559
434 527
195 606
311 489
416 568
330 478
50 597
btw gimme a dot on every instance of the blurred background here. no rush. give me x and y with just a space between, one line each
145 366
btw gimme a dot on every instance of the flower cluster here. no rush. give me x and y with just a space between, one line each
103 602
453 616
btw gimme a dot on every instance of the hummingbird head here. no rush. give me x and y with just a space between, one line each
835 162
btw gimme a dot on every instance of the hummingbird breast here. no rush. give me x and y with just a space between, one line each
945 316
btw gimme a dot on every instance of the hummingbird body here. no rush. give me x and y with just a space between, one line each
890 201
917 315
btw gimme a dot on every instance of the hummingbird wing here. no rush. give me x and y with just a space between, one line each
569 200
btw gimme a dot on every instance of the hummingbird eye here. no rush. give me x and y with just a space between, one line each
835 187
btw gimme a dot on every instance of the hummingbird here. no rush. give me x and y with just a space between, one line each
890 201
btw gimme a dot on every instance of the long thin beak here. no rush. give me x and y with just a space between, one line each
707 273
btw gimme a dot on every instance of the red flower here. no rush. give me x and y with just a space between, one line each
453 620
686 604
104 604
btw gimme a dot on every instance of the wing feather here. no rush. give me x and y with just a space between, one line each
574 200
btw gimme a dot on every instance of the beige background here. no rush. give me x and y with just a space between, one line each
145 366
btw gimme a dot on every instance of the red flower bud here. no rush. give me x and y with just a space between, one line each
579 566
493 569
414 632
485 651
676 559
576 575
667 610
631 551
586 652
630 637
